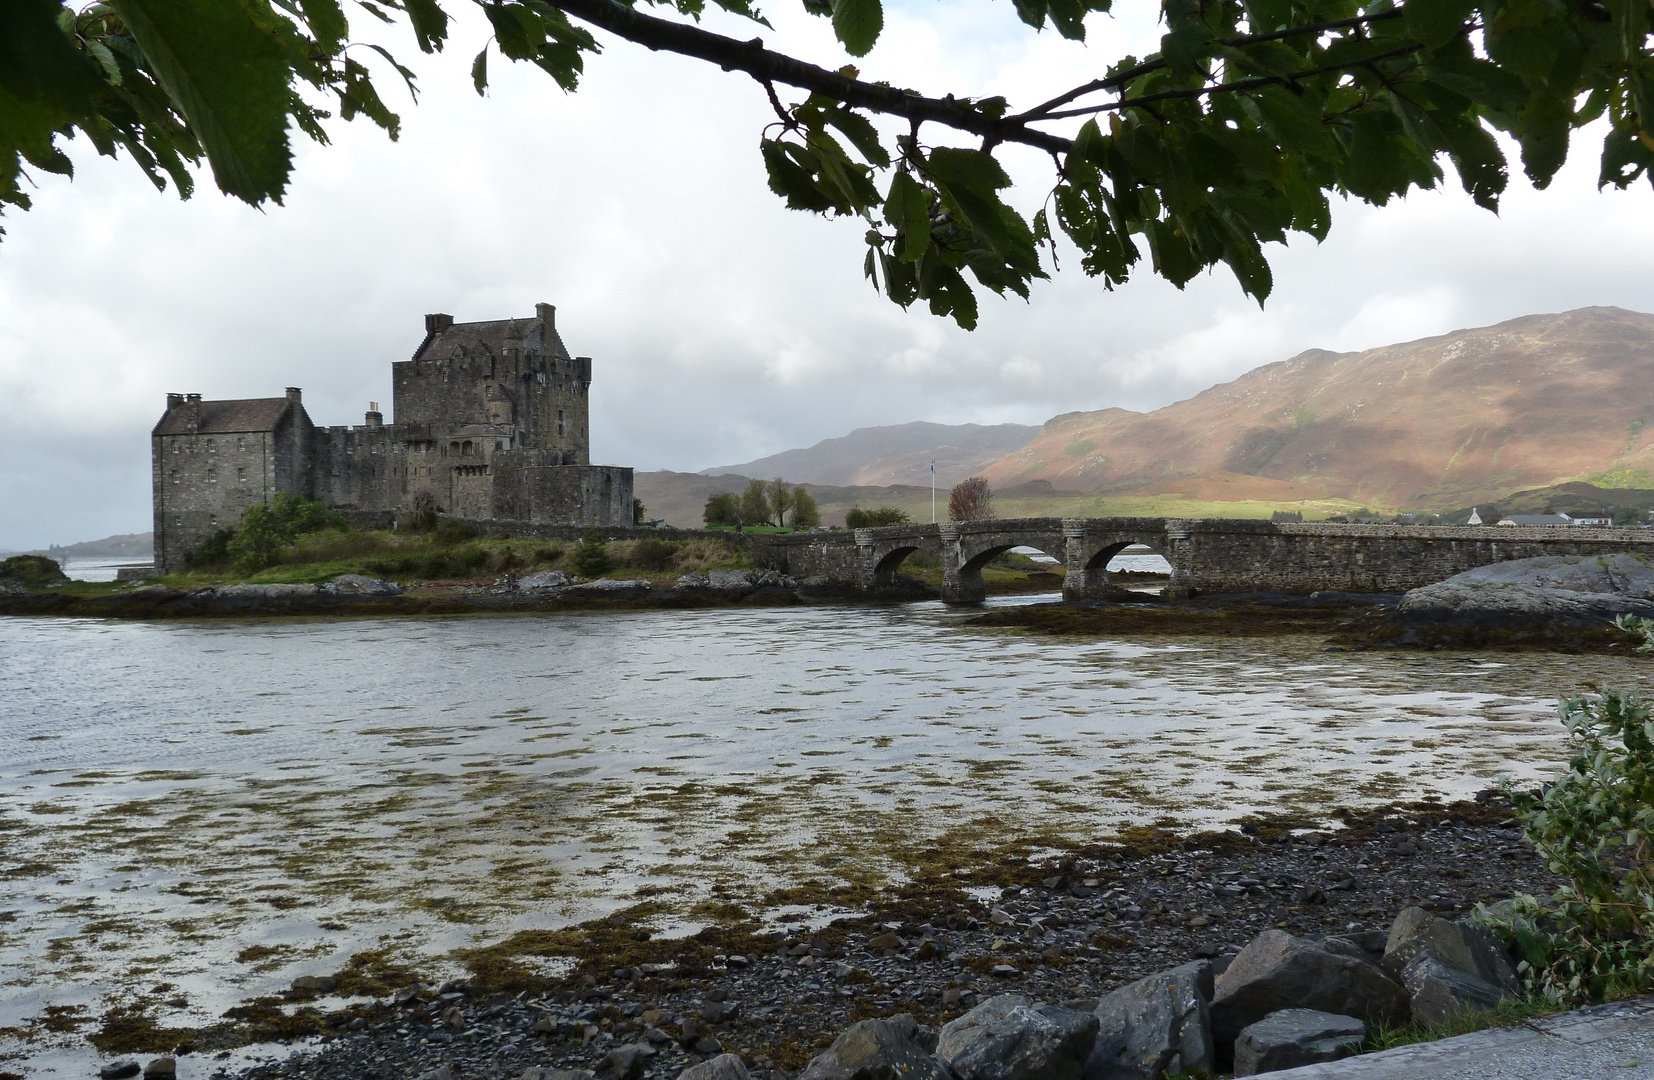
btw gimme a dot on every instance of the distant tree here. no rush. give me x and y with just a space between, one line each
755 503
806 514
640 513
781 500
971 500
722 509
418 514
1287 515
876 517
591 557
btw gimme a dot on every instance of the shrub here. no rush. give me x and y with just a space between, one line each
755 504
452 531
591 558
546 553
971 500
418 514
268 527
1594 938
651 553
640 513
32 570
806 514
213 551
875 517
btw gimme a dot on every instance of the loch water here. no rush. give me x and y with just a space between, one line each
217 806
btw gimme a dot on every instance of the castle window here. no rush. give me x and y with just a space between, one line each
212 446
241 476
175 476
350 449
498 446
488 393
175 447
374 449
559 423
212 476
467 449
241 445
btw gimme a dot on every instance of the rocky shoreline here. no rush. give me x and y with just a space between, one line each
1068 929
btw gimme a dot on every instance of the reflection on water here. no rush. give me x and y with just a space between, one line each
173 793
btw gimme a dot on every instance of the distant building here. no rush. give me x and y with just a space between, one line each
1475 518
490 418
1591 519
1536 519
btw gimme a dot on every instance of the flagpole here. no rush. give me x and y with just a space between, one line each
933 491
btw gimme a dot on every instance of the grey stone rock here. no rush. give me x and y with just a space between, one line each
1157 1026
1293 1037
120 1070
722 1067
1576 588
541 580
877 1050
1461 945
609 587
1278 971
315 983
12 587
162 1068
626 1062
250 593
731 579
1438 992
693 581
1010 1038
441 1072
536 1073
360 585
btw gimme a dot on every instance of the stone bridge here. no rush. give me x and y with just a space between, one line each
1208 555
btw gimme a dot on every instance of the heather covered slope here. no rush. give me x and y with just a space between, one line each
1442 422
896 454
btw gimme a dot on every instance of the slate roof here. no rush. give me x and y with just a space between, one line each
483 338
1535 519
248 414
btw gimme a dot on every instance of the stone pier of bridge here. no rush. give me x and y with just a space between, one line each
1206 555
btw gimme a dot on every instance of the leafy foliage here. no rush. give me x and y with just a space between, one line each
32 570
1238 130
806 514
722 509
266 528
971 500
755 504
1595 937
590 557
640 513
875 517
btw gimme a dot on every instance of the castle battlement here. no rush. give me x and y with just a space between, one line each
490 419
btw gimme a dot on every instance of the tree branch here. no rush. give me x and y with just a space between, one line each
1045 111
766 66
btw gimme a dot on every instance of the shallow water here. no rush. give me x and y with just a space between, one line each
173 793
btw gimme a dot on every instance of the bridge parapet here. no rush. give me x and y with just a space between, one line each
1207 555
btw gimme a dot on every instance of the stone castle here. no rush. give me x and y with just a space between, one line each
489 418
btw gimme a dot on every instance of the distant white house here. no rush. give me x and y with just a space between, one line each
1547 519
1475 518
1592 519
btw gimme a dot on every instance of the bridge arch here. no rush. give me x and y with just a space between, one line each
889 561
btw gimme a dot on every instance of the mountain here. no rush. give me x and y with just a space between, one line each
1443 422
133 545
899 454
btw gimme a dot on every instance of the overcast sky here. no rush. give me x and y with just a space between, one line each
723 326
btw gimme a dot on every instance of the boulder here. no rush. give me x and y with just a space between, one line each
731 579
536 1073
247 593
120 1070
441 1072
1278 971
1293 1037
543 579
1157 1026
1464 946
318 984
878 1050
360 585
1560 588
1438 993
12 587
1010 1038
162 1068
610 587
627 1062
722 1067
693 581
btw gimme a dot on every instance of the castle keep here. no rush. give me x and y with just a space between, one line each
490 418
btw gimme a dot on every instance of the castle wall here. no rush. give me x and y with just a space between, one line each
525 489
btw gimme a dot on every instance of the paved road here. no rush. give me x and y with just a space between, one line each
1604 1042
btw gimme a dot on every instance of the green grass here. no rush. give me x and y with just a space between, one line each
1505 1014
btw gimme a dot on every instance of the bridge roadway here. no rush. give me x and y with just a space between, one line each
1207 555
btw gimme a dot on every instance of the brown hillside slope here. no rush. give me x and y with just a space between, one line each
1442 422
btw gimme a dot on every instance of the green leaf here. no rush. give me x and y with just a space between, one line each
861 133
327 22
858 23
1436 22
479 71
430 23
907 208
229 77
37 61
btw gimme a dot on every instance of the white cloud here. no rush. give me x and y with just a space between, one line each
723 326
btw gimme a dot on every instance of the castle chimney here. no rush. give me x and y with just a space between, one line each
173 401
193 399
375 418
192 418
294 395
436 324
547 314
